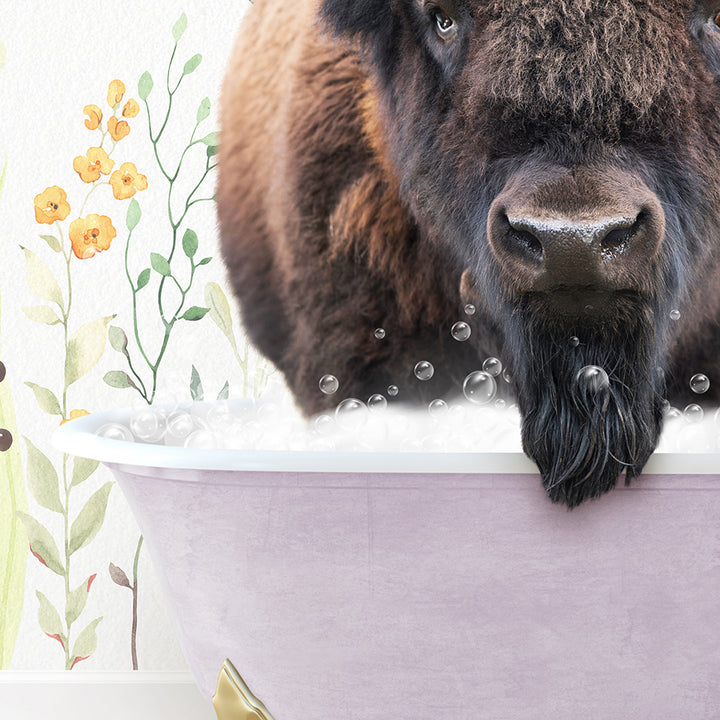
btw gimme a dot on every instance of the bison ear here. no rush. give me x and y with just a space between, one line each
361 18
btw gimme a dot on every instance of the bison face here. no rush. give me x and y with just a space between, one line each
566 155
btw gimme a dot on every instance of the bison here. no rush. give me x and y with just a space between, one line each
554 162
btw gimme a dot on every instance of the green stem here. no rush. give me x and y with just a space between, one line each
135 320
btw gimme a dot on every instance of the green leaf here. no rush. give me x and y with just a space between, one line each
42 479
160 264
46 399
203 110
40 280
41 543
3 174
76 601
118 339
13 540
191 64
195 313
134 213
196 388
211 151
83 468
220 311
225 392
85 348
190 242
118 379
53 242
42 314
86 643
145 85
204 261
48 616
179 27
143 278
90 519
211 139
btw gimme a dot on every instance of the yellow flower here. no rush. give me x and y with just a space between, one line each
131 109
51 205
94 114
75 414
118 128
126 181
116 90
90 166
91 234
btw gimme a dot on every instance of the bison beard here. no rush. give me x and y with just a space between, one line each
581 439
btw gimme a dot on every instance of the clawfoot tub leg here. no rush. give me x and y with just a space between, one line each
233 700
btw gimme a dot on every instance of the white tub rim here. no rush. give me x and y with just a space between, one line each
77 437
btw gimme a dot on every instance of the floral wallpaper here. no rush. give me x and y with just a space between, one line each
112 294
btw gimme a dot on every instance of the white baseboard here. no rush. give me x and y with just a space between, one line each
101 696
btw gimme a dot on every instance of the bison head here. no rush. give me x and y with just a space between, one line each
566 155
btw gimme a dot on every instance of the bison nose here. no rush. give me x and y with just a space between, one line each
604 246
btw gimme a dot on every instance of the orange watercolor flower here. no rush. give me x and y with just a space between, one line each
116 90
118 129
126 181
75 414
90 235
51 205
89 166
131 109
95 115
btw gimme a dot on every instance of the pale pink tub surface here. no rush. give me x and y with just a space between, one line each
424 595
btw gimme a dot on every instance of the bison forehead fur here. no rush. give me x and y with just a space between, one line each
383 162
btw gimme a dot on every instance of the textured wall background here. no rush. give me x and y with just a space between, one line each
93 247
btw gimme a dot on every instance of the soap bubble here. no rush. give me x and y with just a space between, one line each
693 413
699 383
115 431
592 379
461 331
219 417
147 425
202 440
672 413
179 425
351 414
469 309
376 402
329 384
506 376
392 390
424 370
479 387
379 333
574 341
500 404
438 408
492 366
324 425
674 314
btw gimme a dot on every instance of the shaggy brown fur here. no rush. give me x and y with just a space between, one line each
362 158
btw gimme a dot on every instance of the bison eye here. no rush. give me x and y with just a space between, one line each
445 24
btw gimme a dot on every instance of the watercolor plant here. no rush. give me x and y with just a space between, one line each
84 237
170 289
13 555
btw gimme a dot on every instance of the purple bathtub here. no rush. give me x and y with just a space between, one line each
422 586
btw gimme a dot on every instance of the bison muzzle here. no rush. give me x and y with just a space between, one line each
554 162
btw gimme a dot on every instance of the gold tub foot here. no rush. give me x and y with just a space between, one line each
233 700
